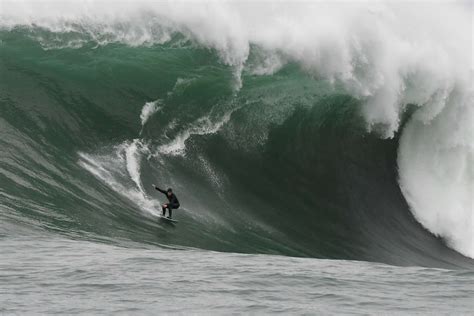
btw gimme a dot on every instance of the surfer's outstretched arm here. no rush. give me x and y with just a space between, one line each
158 189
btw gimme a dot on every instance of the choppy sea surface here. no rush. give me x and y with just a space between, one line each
50 275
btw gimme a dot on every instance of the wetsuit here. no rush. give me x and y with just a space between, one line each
172 199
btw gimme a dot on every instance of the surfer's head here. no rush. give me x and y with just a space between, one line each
169 191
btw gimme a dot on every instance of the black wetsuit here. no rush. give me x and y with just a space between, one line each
172 199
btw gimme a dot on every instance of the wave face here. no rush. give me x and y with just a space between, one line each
330 131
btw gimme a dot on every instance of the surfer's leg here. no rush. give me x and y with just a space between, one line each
164 209
172 206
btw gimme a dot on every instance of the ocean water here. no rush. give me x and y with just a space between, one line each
323 155
64 276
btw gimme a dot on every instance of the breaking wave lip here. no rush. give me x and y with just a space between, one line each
436 173
388 66
411 57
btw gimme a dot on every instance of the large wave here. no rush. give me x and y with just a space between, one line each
235 102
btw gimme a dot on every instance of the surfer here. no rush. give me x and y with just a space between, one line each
173 202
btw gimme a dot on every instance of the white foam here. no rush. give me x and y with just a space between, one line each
133 159
383 53
436 161
117 168
148 110
268 63
202 126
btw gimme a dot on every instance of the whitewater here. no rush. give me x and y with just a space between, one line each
321 150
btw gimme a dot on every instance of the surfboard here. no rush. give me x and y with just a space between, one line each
167 219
